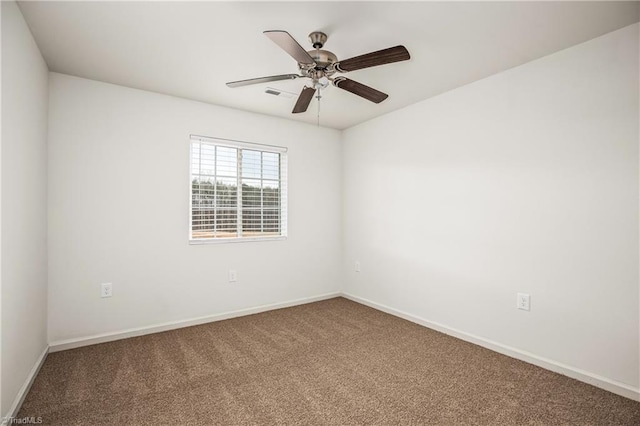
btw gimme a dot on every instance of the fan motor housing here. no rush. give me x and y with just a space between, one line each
322 58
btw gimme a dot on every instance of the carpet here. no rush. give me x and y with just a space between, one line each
333 362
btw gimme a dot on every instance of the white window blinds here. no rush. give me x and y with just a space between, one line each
238 190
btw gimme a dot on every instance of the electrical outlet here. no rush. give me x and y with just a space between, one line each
233 276
524 302
357 266
106 290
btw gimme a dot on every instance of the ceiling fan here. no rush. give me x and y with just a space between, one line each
321 66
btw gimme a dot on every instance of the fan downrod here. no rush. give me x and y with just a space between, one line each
317 39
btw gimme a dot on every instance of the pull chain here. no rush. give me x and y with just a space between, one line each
319 106
317 56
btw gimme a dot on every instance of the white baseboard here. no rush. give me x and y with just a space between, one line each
24 390
548 364
62 345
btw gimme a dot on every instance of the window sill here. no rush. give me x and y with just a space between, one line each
207 241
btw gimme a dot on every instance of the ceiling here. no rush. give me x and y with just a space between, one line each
190 49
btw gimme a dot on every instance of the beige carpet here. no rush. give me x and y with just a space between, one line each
333 362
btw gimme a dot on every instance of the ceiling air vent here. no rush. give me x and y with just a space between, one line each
278 92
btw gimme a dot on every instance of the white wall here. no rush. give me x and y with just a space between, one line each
119 205
526 181
24 204
2 412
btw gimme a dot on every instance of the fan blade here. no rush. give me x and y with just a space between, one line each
241 83
373 59
304 100
291 46
360 89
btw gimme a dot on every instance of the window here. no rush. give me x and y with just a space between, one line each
238 191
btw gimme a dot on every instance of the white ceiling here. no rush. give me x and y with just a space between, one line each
191 49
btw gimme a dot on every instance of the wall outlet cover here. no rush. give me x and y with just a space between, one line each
106 290
523 302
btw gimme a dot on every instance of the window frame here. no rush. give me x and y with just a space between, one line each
283 178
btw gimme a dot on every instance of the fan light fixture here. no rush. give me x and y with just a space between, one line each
321 83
